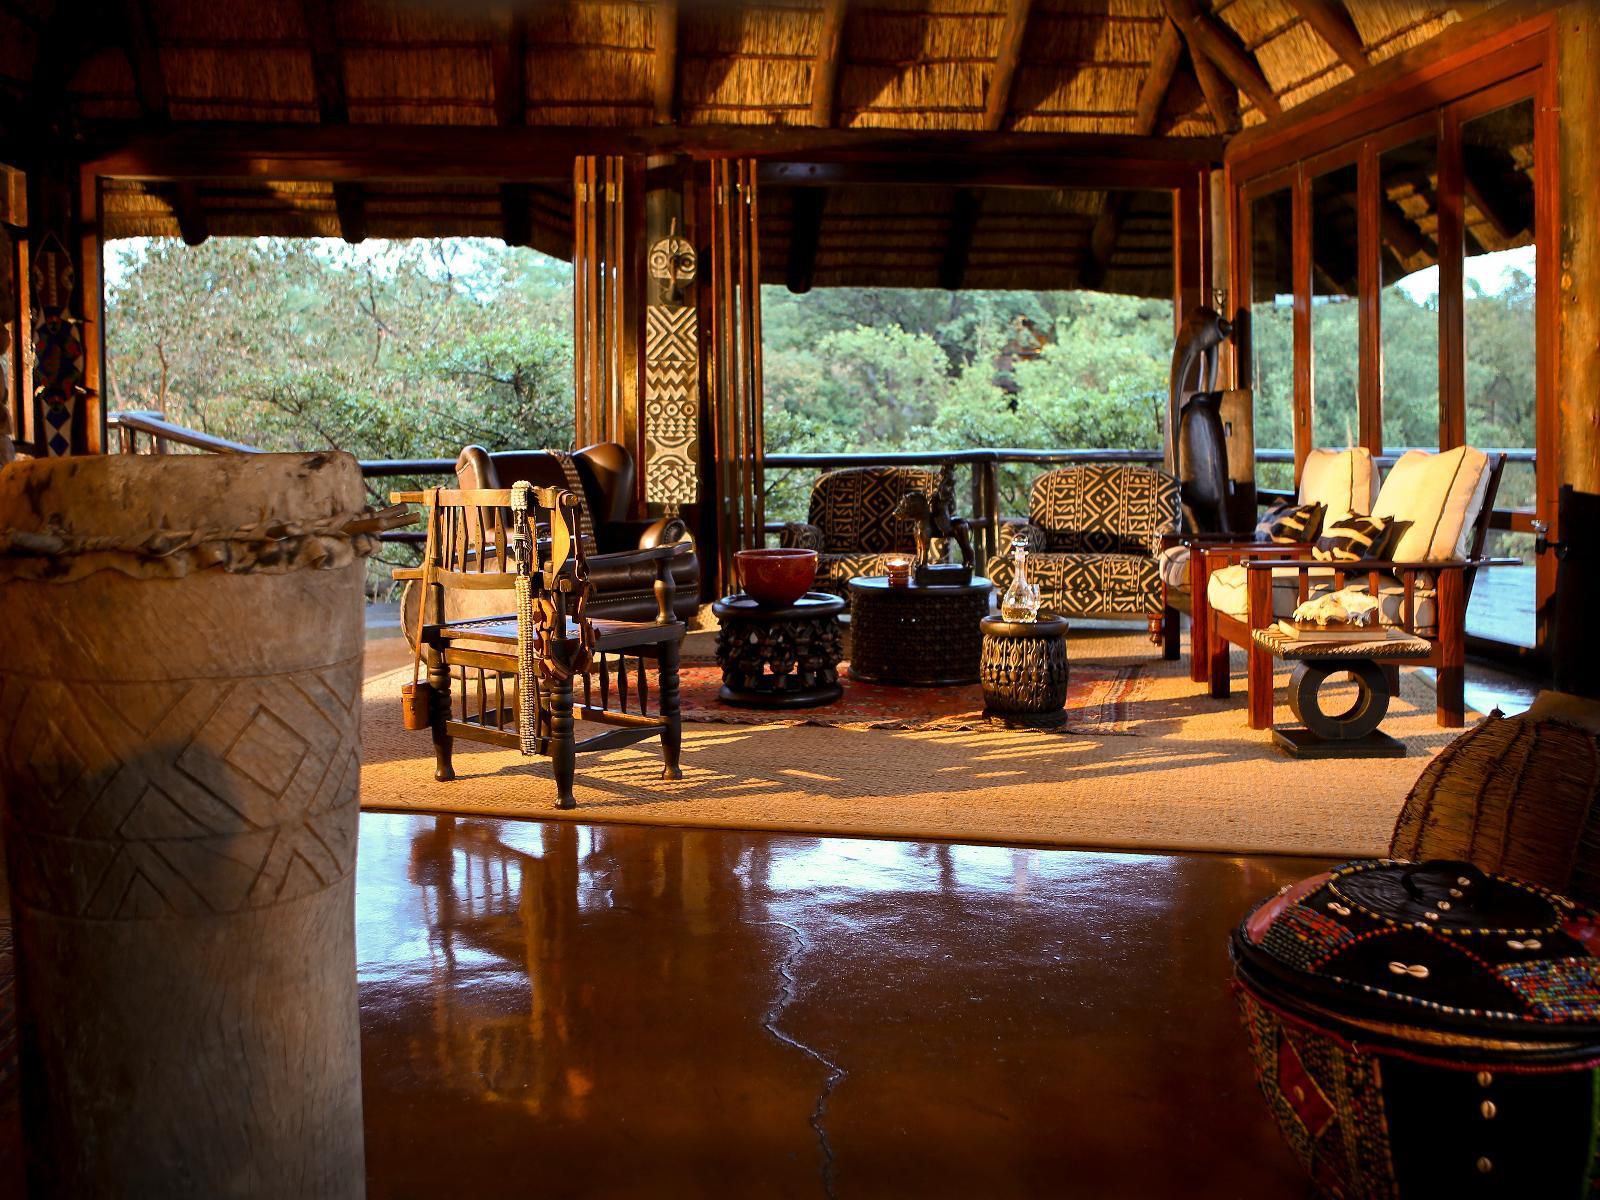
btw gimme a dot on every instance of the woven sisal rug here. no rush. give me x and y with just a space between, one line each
1185 772
1099 700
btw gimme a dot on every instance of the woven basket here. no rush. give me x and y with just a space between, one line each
1514 796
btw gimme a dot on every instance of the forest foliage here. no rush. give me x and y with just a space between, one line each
414 349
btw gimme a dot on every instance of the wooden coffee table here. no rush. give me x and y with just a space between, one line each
923 636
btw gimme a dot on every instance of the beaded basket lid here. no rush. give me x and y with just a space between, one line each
1429 945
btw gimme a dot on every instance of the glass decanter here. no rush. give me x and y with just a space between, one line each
1021 601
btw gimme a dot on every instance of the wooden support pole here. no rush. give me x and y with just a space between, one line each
350 202
805 235
825 70
191 214
508 57
964 216
1575 211
997 100
664 82
1222 98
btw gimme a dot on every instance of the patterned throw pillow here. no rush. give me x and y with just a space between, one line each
1352 539
1287 522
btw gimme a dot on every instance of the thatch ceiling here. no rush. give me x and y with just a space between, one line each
1171 69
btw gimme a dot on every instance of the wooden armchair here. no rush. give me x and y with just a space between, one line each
1339 482
1420 594
526 540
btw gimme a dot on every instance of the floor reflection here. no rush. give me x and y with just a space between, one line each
680 1011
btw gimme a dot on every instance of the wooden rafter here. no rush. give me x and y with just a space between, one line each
805 236
508 60
997 101
191 214
665 81
1146 117
350 202
964 216
1209 37
144 55
1222 98
1333 25
327 64
825 71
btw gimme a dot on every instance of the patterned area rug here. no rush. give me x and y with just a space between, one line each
1099 700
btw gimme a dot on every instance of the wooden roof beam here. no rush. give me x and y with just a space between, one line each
964 216
508 59
997 101
1222 98
805 236
665 84
350 202
1209 37
1333 25
327 65
825 72
191 214
144 56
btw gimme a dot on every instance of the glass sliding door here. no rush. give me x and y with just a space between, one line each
1499 347
1408 295
1271 345
1335 313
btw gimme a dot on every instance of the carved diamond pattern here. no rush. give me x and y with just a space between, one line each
234 794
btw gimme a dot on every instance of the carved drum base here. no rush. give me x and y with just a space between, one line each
1024 670
779 657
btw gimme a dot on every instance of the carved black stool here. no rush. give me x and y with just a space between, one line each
1024 670
919 635
779 657
1353 733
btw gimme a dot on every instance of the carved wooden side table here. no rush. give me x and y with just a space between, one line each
927 636
1024 670
1353 733
779 657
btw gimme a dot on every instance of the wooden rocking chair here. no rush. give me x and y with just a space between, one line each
526 540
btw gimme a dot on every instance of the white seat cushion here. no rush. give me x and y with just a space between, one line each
1174 565
1441 496
1228 591
1342 481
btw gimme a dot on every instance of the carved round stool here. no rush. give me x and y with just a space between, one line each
1024 670
784 657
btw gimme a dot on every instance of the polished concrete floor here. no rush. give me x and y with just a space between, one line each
576 1010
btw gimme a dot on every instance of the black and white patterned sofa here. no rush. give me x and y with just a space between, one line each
851 522
1093 534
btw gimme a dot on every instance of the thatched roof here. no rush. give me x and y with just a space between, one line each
99 69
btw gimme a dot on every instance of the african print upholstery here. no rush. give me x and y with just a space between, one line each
1094 533
851 522
1288 523
1353 539
1105 509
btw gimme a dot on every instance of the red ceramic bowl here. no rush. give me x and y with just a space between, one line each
776 577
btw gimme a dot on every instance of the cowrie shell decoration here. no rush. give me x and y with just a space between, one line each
1415 970
1335 906
1528 944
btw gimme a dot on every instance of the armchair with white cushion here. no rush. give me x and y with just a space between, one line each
1341 483
1437 509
